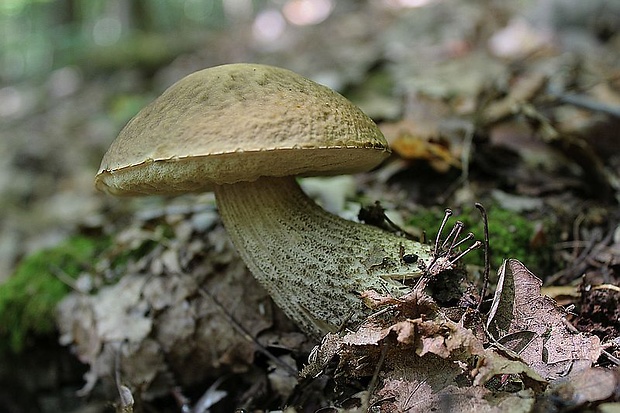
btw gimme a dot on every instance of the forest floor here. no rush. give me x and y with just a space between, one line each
109 304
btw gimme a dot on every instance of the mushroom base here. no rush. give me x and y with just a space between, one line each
314 264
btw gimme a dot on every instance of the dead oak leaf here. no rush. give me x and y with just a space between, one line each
420 140
418 323
428 363
400 395
419 335
587 386
431 383
552 348
414 304
492 364
373 300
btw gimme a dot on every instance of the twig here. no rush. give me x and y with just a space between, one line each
611 357
65 278
245 334
584 102
375 376
487 253
579 264
463 179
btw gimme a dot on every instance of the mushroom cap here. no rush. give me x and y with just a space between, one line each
235 123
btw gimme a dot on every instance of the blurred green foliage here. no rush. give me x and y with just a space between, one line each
28 299
38 36
123 107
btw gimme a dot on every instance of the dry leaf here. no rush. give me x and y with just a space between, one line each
494 364
587 386
426 363
168 329
119 314
519 307
523 91
409 396
420 141
373 300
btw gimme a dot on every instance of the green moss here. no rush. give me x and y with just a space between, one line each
29 297
510 235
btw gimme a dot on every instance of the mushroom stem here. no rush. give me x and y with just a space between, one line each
313 264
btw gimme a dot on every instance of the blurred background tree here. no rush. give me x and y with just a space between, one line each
41 35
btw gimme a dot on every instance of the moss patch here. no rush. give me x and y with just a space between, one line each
510 235
29 297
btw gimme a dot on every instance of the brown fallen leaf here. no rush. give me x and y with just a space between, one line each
524 90
423 361
155 324
421 140
400 395
518 306
585 387
493 364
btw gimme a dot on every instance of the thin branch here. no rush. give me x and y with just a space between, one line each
487 254
245 334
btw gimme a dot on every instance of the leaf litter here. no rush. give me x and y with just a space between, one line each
427 360
543 129
419 359
155 331
553 349
167 322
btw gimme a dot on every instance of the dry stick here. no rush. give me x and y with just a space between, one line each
576 224
65 278
398 230
611 357
582 258
587 103
487 253
375 376
182 401
465 161
245 334
386 223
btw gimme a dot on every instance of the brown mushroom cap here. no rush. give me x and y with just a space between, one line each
235 123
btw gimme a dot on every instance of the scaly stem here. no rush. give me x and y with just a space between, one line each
313 264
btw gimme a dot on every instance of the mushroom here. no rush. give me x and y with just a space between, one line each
246 131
